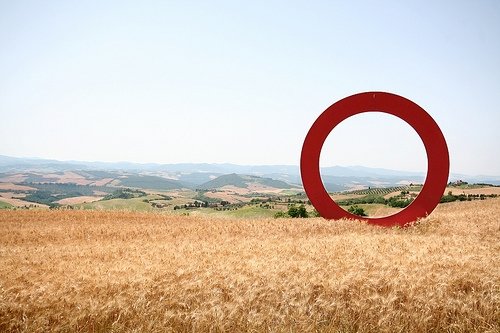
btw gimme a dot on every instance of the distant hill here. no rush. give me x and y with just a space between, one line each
243 181
193 175
151 182
193 179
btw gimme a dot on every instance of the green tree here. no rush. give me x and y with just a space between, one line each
299 211
356 210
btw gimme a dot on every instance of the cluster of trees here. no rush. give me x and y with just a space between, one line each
450 197
200 196
398 201
26 207
296 212
367 199
226 205
153 202
260 200
356 210
165 197
266 206
49 193
43 197
191 205
158 205
218 205
68 189
49 198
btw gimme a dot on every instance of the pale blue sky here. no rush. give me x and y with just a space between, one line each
242 81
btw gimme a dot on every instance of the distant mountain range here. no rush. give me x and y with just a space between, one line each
205 175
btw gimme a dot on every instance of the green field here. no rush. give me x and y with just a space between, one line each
134 204
377 210
5 205
243 212
247 211
291 192
138 204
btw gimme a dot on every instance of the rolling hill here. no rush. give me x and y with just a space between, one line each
243 181
193 175
151 182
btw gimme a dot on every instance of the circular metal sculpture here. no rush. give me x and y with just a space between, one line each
438 162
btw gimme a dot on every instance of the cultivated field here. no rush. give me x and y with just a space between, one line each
15 199
78 200
100 271
481 190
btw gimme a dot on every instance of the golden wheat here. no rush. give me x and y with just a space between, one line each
96 271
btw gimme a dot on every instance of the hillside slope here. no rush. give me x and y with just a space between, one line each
243 181
151 182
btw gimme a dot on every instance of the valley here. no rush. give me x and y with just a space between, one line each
203 193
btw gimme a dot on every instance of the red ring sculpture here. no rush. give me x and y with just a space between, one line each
438 162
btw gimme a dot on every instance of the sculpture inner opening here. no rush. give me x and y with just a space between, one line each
373 164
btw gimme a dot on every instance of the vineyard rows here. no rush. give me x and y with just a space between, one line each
384 190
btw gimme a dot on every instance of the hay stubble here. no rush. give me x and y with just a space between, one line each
127 271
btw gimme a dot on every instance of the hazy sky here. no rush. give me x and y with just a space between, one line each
242 81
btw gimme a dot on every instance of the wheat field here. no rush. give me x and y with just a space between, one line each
102 271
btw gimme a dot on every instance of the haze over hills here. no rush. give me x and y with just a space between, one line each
192 175
243 189
243 181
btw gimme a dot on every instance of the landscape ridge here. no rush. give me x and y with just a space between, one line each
289 173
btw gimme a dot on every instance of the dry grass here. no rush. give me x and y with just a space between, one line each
15 187
71 177
340 196
379 210
102 182
228 196
482 190
78 200
13 178
12 198
251 188
96 271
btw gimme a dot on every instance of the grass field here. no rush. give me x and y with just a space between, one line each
377 210
112 271
78 200
246 212
133 204
4 205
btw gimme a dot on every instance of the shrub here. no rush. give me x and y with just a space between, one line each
296 212
356 210
280 214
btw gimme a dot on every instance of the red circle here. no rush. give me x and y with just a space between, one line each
438 162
